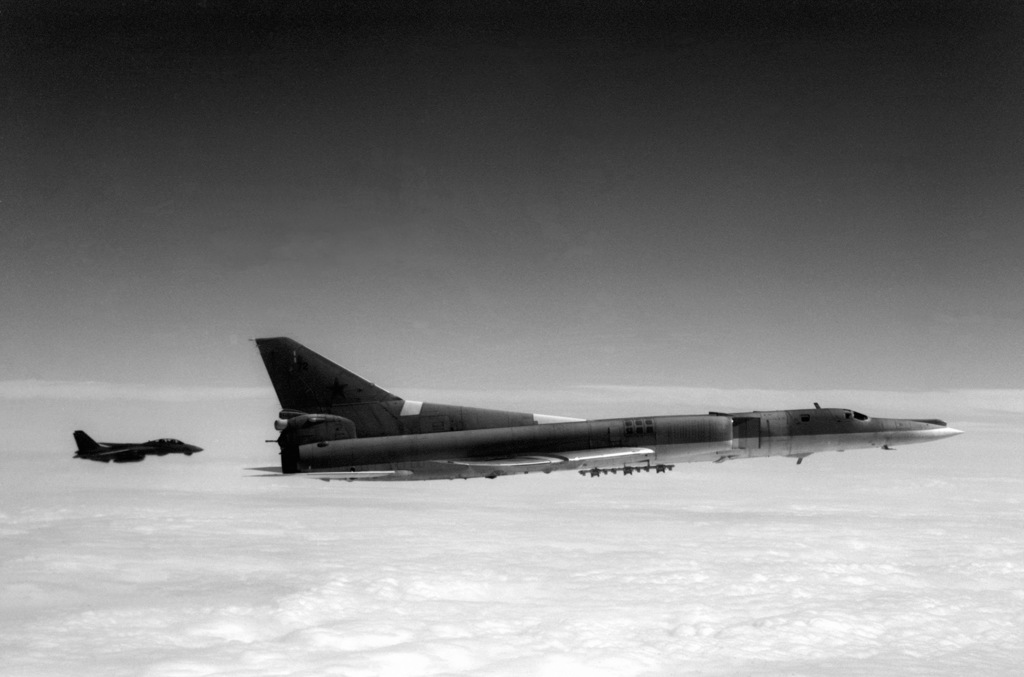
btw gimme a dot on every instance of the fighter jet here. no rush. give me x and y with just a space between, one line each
129 452
337 425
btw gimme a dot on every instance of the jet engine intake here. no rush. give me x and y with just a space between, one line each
305 429
317 428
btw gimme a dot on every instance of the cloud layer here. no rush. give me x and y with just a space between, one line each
181 569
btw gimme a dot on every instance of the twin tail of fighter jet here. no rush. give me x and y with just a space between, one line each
337 425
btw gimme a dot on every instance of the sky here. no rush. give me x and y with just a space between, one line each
575 209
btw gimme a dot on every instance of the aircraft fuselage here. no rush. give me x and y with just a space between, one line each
336 425
655 442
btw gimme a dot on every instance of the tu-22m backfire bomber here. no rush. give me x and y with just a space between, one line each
336 425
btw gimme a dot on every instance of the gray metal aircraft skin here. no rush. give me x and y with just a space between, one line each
129 452
337 425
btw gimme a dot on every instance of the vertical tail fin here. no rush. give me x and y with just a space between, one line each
85 443
306 381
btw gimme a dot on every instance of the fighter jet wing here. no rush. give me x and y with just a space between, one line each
127 453
618 453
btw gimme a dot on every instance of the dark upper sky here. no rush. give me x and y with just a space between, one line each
726 194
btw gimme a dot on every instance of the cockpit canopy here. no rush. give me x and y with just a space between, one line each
840 414
166 441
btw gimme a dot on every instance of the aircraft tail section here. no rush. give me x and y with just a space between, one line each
85 443
308 382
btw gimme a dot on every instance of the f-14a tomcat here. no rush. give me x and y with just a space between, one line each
336 425
129 452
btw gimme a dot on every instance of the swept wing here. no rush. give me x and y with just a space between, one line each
632 454
125 454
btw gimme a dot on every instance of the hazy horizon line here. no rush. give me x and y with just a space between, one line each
995 399
40 389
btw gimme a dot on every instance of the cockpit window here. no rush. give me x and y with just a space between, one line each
859 416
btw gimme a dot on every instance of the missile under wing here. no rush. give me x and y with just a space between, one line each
335 424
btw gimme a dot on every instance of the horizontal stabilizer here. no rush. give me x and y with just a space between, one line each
275 469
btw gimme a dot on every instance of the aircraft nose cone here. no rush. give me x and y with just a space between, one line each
917 430
941 432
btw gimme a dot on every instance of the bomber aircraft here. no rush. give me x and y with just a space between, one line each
129 452
336 425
